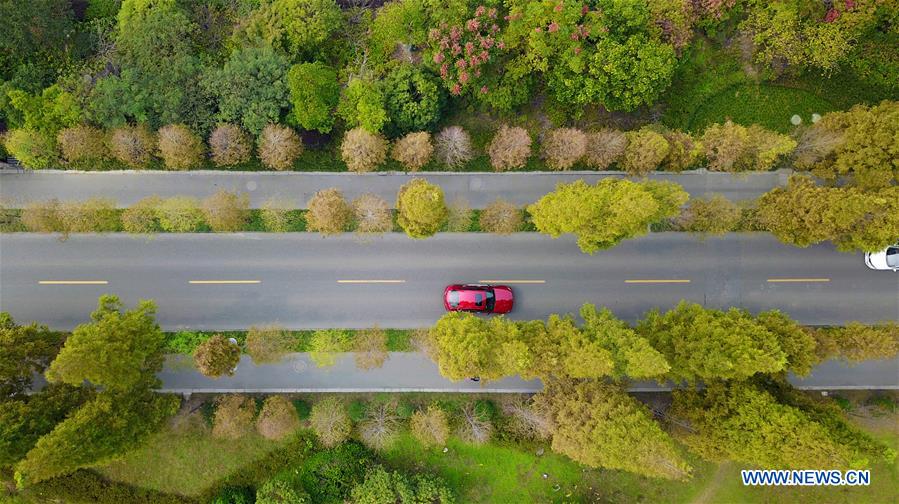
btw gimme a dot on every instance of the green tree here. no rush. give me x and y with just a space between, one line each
421 210
796 341
724 424
803 213
107 426
601 426
413 100
159 78
48 112
31 148
604 214
645 151
116 350
363 104
24 351
632 73
869 152
180 214
468 346
251 88
313 94
631 353
707 344
217 356
26 419
580 355
382 486
298 27
35 31
857 342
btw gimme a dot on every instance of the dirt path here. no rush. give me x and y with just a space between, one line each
708 493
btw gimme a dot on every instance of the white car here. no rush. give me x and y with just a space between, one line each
886 259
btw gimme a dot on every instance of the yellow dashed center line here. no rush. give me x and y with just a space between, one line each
797 280
371 281
223 282
513 281
73 282
655 281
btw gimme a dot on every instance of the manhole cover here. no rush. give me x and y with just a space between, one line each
251 185
300 366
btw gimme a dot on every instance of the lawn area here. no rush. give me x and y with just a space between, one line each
768 105
187 463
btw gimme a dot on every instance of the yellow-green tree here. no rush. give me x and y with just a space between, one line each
603 215
421 208
601 426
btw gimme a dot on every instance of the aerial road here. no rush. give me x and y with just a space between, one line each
302 280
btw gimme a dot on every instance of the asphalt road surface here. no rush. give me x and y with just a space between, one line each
478 189
415 372
302 280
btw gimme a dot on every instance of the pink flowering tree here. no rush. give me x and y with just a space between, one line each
461 52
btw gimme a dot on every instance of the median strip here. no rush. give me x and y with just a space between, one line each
371 281
655 281
223 282
797 280
73 282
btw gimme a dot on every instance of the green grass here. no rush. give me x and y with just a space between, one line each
768 105
188 463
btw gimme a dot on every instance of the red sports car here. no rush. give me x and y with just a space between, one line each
478 298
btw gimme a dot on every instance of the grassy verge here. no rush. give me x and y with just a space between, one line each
184 342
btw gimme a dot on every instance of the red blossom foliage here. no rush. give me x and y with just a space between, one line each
469 46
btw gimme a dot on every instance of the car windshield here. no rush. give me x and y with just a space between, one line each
454 299
893 257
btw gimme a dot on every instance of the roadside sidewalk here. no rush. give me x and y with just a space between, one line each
478 189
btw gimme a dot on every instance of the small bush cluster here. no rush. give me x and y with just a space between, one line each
328 212
510 148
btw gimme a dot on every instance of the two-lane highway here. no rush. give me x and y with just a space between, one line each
211 281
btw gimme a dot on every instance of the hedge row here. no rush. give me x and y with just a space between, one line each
727 147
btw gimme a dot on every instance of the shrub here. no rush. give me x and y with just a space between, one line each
276 214
279 146
356 410
217 356
459 216
362 104
132 145
233 416
31 148
82 143
510 148
226 211
277 418
363 151
180 214
380 426
725 145
421 211
330 422
563 147
281 490
42 216
141 217
644 152
268 344
372 214
683 153
501 217
816 143
229 145
525 420
475 427
328 212
716 215
329 475
430 427
326 344
370 347
604 147
413 150
453 147
179 147
413 99
94 215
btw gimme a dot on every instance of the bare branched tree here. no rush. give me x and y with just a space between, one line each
475 426
379 428
526 420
